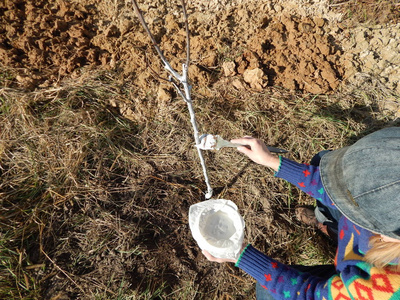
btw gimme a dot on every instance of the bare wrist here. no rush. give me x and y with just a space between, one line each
273 163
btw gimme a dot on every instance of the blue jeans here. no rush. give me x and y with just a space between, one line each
331 219
326 215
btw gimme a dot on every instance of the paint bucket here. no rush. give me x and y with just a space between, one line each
217 227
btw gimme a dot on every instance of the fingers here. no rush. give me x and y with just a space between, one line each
215 259
247 140
208 255
257 151
245 149
248 143
251 145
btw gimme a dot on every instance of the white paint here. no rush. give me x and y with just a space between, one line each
188 99
217 227
183 92
207 142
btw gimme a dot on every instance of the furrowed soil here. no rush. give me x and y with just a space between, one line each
99 146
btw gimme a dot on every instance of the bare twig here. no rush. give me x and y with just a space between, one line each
153 72
167 66
175 77
185 16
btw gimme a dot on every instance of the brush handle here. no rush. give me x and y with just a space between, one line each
221 143
276 150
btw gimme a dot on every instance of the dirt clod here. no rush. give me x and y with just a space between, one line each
97 159
307 51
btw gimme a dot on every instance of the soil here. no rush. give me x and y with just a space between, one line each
302 46
298 47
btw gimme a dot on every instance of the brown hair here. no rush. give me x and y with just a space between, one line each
382 254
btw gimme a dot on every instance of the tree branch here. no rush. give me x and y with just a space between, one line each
185 17
184 92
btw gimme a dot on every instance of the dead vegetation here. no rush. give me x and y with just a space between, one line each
94 205
97 176
368 11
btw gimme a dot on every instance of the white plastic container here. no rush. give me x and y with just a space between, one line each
217 227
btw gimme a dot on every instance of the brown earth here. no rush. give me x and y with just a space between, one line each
269 45
136 240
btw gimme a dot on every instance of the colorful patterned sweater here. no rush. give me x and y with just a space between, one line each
355 278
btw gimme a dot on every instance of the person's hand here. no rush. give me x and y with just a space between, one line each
257 151
221 260
215 259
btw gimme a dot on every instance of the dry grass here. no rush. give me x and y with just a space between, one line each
96 181
96 186
58 147
368 11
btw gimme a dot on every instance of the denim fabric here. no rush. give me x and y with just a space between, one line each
317 157
363 181
330 217
326 215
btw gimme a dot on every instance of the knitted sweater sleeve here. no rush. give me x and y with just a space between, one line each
282 281
357 280
306 177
